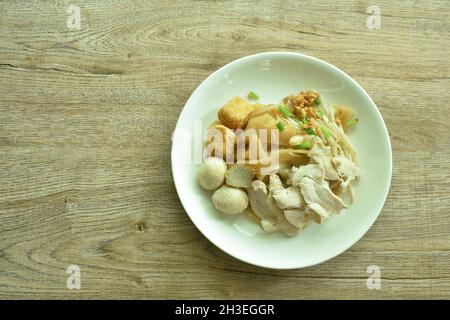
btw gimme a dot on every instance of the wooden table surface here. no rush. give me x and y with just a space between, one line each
85 123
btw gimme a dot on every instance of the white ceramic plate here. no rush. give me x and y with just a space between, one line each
274 75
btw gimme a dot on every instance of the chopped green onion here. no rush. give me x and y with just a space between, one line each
304 145
317 101
280 126
319 113
285 110
304 120
352 122
253 96
309 131
325 132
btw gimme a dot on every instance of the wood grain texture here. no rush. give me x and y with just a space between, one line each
85 123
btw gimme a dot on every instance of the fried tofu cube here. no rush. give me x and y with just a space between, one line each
234 114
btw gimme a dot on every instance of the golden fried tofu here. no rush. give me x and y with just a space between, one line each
234 113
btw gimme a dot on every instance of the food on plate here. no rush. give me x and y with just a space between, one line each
286 164
212 173
264 206
239 175
230 200
234 114
252 96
